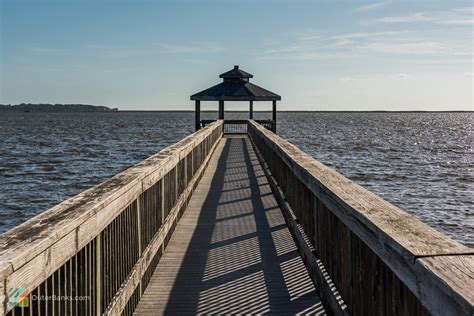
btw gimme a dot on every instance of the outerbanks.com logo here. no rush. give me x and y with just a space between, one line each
18 297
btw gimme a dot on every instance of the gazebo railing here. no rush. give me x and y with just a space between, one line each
235 126
240 126
230 126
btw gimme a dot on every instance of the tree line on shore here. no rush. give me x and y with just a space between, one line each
46 107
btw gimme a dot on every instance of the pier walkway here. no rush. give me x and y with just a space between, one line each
231 252
220 223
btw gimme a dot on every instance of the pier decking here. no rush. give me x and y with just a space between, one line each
231 252
247 224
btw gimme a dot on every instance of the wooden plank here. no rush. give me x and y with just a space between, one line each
351 200
231 252
26 250
331 298
396 237
35 271
25 241
448 274
127 289
3 298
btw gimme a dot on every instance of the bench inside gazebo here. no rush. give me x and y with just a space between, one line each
236 86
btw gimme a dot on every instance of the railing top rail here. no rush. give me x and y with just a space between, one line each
414 236
239 121
267 123
28 240
420 256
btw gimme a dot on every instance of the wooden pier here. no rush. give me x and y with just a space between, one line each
231 252
247 224
232 219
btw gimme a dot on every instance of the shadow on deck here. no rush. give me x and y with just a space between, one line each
231 252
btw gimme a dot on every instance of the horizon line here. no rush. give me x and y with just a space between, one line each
321 111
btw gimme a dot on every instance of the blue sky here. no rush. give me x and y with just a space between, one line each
319 55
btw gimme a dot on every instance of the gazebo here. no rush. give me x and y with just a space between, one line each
236 86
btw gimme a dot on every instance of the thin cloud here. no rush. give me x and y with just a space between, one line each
467 53
114 51
45 51
303 49
365 35
306 55
196 61
311 37
201 47
412 48
456 16
359 45
349 39
417 17
372 6
401 76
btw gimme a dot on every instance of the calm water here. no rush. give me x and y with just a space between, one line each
421 162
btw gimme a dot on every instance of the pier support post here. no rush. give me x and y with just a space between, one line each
197 115
274 115
221 109
251 110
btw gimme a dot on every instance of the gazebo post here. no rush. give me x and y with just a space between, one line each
274 115
197 115
251 110
221 109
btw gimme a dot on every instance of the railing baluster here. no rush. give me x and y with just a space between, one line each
139 233
358 239
124 237
98 281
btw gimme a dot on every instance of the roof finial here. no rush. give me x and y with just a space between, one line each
236 67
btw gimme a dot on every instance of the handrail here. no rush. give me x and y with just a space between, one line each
381 259
130 217
105 242
240 126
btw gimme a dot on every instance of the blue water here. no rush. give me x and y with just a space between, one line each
421 162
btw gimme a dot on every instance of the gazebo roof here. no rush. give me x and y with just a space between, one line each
236 87
236 73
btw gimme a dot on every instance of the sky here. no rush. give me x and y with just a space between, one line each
318 55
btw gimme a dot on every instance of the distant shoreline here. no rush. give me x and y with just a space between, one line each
83 108
303 111
189 111
47 107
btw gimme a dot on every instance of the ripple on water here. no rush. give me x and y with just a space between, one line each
421 162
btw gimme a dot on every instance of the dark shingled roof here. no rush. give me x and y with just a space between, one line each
236 73
236 89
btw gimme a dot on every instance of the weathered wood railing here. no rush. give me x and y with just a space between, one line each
381 260
94 253
235 126
230 126
240 126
